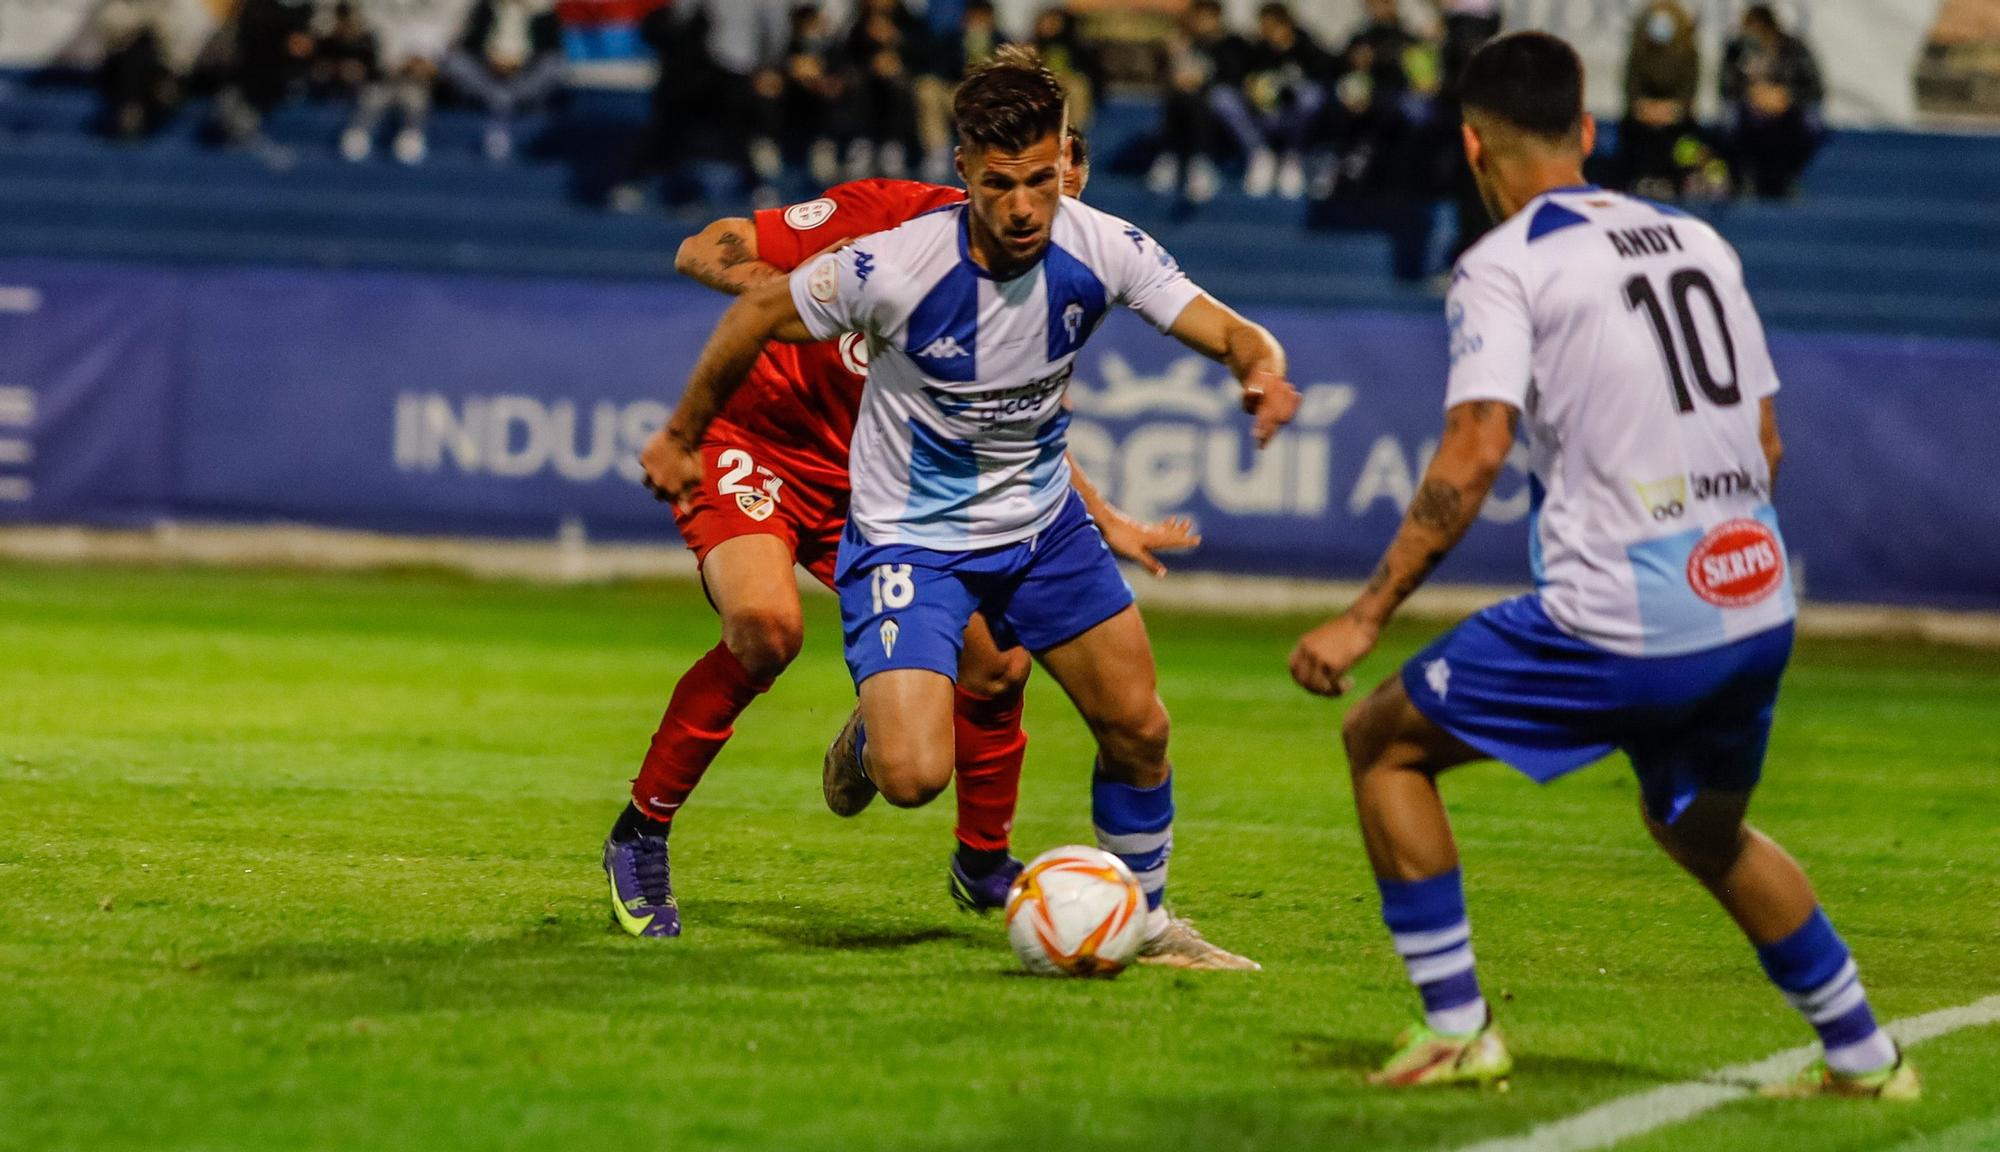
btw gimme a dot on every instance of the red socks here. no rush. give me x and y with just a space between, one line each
991 746
697 724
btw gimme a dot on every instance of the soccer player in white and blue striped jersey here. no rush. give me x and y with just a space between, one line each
1620 334
962 499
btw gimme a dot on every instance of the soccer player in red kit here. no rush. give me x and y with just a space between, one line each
774 495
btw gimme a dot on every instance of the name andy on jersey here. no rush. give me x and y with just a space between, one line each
1645 240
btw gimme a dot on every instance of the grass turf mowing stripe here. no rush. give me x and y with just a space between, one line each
1644 1112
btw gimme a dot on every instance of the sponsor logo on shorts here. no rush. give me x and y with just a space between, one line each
1738 563
824 280
810 215
890 630
756 505
1437 674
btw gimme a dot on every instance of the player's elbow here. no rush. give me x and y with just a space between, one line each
704 249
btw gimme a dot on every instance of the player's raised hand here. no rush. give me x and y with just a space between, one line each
1323 656
672 467
1272 400
1135 542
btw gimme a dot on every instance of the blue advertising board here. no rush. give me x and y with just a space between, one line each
473 406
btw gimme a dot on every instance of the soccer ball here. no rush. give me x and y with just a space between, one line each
1076 911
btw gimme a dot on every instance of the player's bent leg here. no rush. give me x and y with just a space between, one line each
899 742
1395 754
990 747
749 579
1766 892
1108 672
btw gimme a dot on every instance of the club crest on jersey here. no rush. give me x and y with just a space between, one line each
890 630
1739 563
1073 321
810 215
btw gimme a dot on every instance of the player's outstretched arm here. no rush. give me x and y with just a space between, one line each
1251 354
1130 539
672 459
724 257
1477 437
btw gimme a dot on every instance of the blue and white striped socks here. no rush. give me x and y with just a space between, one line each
1814 970
1137 826
1426 919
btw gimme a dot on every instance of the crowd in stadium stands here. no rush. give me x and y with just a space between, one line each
774 85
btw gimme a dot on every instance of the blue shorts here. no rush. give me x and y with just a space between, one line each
1513 685
905 606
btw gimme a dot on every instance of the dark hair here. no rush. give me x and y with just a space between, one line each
1531 80
1277 10
1009 102
1079 148
1214 6
1761 15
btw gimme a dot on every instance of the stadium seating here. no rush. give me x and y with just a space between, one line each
1885 237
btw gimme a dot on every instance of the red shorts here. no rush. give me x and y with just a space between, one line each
749 489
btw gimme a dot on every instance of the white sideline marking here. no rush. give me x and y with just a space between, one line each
1642 1112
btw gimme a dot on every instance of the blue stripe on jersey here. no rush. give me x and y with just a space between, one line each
1536 494
1076 301
1668 607
944 480
1051 438
1553 217
943 334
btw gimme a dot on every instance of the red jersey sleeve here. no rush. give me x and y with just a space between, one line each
788 237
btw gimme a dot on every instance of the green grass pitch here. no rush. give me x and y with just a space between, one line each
293 861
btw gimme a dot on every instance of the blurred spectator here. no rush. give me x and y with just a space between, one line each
1367 121
1660 150
348 64
959 34
886 45
1073 59
813 92
509 59
1468 24
1280 99
743 51
273 46
135 78
683 82
1201 56
1771 92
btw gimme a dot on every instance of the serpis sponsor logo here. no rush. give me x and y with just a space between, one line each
1737 564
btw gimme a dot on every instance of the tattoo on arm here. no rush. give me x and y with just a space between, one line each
1437 505
732 267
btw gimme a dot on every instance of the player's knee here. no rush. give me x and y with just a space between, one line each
1133 747
912 779
1707 850
1005 677
765 641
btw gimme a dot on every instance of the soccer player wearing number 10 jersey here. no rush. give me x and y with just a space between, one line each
1620 334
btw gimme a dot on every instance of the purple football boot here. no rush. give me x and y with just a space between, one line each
983 894
642 886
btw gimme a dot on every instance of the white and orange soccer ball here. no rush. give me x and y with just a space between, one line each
1076 911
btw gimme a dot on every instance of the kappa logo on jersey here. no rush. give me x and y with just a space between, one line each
890 630
824 280
1137 237
943 348
1463 343
864 263
1739 563
854 353
811 214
